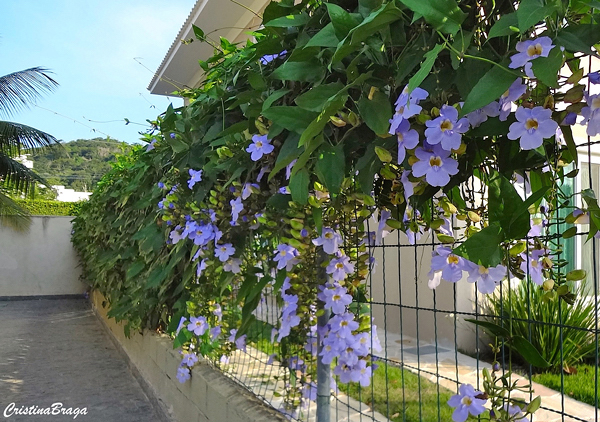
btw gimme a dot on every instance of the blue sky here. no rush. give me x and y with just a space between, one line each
91 47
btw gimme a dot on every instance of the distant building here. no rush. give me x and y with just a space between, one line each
70 195
24 159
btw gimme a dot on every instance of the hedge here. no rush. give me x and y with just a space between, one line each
39 207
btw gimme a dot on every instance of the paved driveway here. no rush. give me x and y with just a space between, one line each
56 358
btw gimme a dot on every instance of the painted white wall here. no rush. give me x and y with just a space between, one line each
41 261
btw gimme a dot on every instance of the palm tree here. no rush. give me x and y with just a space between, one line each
18 91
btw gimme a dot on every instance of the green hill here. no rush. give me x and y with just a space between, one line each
77 164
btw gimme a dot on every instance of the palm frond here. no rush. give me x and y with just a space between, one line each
20 89
16 177
13 216
15 137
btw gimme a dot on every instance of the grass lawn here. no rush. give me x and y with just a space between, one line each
580 386
400 400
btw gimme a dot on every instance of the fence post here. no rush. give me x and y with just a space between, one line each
323 370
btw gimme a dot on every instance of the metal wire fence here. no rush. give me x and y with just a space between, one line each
430 346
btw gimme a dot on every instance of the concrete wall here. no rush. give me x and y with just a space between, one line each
400 277
208 396
41 261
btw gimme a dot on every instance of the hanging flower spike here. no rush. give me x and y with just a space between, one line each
407 139
260 146
530 50
329 240
532 127
196 176
516 91
466 402
435 165
591 114
446 129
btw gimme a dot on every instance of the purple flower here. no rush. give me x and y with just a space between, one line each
172 135
236 208
479 116
189 359
150 146
201 267
218 312
532 127
340 267
516 90
223 252
594 77
261 173
450 265
286 256
183 374
232 265
336 298
247 190
215 332
198 325
260 146
288 321
201 234
466 402
384 216
435 165
486 278
532 265
268 58
161 185
407 106
407 139
181 325
288 169
446 129
591 114
530 50
296 364
176 235
409 189
329 239
196 176
570 119
284 190
515 412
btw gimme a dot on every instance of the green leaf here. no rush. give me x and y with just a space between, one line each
288 21
444 15
546 69
378 19
291 118
199 33
309 148
534 405
342 21
176 144
376 112
274 97
507 209
579 38
317 214
315 99
299 186
331 167
257 81
568 135
304 71
134 269
156 277
317 125
426 67
530 12
506 25
289 152
489 88
576 275
182 338
483 248
324 38
494 329
529 352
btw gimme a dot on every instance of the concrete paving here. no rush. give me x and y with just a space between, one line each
55 357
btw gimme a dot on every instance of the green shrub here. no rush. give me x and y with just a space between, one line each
580 386
527 314
44 207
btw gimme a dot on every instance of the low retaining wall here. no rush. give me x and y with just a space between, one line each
208 396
